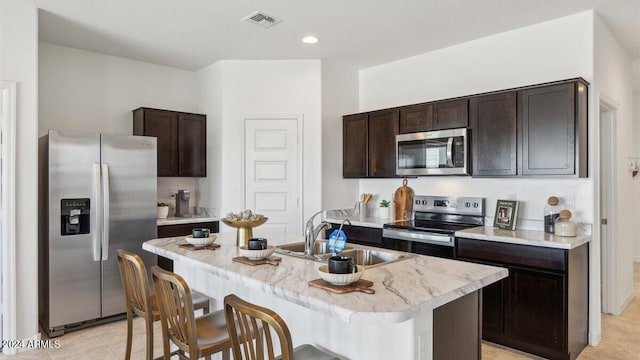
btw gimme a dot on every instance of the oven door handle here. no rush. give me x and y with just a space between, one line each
450 152
408 235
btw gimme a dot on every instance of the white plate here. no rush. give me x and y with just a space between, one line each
201 241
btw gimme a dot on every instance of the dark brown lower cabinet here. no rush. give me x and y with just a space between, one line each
360 234
166 231
543 306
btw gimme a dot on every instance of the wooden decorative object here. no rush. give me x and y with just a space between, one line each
403 202
360 285
272 260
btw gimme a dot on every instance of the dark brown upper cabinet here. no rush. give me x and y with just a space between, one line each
451 114
182 141
416 118
383 128
369 144
492 119
354 145
552 125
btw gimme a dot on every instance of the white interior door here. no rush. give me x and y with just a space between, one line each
272 172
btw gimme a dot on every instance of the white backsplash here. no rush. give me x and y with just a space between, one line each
532 193
168 184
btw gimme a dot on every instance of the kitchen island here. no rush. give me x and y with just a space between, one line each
423 308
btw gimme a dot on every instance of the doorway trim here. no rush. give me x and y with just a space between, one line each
607 117
299 118
8 196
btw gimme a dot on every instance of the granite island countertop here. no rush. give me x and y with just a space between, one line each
524 237
404 289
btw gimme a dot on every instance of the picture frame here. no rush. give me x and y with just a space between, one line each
506 214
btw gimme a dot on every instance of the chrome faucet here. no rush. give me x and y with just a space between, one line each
311 233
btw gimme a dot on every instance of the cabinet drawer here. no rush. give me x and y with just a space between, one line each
361 233
512 254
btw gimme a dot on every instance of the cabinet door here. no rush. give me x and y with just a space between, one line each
164 126
493 308
547 122
536 308
383 128
451 114
416 118
354 145
493 122
192 145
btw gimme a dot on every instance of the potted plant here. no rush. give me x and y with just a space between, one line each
163 210
383 209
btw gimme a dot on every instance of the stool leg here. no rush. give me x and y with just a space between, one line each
149 323
127 354
225 354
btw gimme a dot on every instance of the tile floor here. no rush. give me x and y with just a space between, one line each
620 340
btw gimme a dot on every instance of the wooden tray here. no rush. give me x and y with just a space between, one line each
272 260
360 285
194 248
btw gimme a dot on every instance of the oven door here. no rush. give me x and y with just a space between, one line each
418 242
432 153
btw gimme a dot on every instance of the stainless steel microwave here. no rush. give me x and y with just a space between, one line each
443 152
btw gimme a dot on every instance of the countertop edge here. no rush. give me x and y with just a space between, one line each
519 237
190 220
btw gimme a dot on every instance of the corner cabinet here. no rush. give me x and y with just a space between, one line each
543 306
553 130
369 144
182 140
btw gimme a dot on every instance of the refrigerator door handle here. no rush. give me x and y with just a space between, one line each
97 220
105 211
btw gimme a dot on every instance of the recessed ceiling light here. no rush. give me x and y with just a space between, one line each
309 39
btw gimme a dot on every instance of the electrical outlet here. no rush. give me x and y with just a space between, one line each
172 193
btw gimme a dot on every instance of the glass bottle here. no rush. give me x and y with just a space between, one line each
564 226
551 213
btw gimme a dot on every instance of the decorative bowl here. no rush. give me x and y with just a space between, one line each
256 254
201 241
245 223
340 279
244 228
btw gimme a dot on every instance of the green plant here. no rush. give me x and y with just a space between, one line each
162 204
384 203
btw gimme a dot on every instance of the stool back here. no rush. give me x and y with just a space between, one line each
176 310
244 319
135 283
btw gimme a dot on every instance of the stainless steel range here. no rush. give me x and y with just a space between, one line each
435 220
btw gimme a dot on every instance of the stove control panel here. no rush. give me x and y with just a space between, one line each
450 205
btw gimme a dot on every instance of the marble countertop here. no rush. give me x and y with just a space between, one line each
194 219
404 289
524 237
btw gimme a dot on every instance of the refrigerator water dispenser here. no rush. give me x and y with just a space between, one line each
75 215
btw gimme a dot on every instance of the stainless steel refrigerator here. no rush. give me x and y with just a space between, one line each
97 194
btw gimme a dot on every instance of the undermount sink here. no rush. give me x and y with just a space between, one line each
366 257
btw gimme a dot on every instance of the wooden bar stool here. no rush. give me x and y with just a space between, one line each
244 318
139 300
199 337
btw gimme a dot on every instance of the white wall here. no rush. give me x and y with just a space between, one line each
88 91
209 88
257 87
613 81
554 50
339 97
19 63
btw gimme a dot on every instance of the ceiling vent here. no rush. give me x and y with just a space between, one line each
261 19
